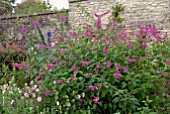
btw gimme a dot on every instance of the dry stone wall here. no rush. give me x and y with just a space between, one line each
137 12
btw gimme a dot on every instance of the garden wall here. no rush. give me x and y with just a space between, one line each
136 12
48 22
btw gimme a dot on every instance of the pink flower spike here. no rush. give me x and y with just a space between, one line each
118 67
107 38
108 64
85 63
131 60
36 22
167 62
18 65
117 75
96 100
98 67
74 68
60 82
50 66
105 51
71 79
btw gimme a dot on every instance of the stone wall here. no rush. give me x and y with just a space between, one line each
136 12
10 26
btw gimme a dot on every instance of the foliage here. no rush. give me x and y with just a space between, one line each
92 71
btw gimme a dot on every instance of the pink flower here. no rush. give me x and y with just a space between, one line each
33 95
144 45
98 67
125 70
73 34
107 38
6 87
105 51
18 65
41 76
26 67
62 50
50 66
85 63
47 92
56 60
131 60
39 99
82 100
167 62
108 64
96 100
71 79
117 75
74 68
26 95
95 38
60 82
118 67
92 88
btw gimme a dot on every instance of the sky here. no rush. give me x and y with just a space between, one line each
56 3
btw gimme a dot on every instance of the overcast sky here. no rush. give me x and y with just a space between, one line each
56 3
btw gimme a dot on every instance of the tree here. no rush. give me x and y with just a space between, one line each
6 6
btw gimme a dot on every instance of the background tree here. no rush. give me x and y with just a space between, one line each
6 6
32 6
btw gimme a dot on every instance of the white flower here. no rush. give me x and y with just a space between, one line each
26 94
37 90
57 103
39 99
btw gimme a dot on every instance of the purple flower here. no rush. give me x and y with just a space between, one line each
63 18
117 75
96 100
23 30
36 22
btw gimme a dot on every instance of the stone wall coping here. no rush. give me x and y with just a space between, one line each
31 15
73 1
